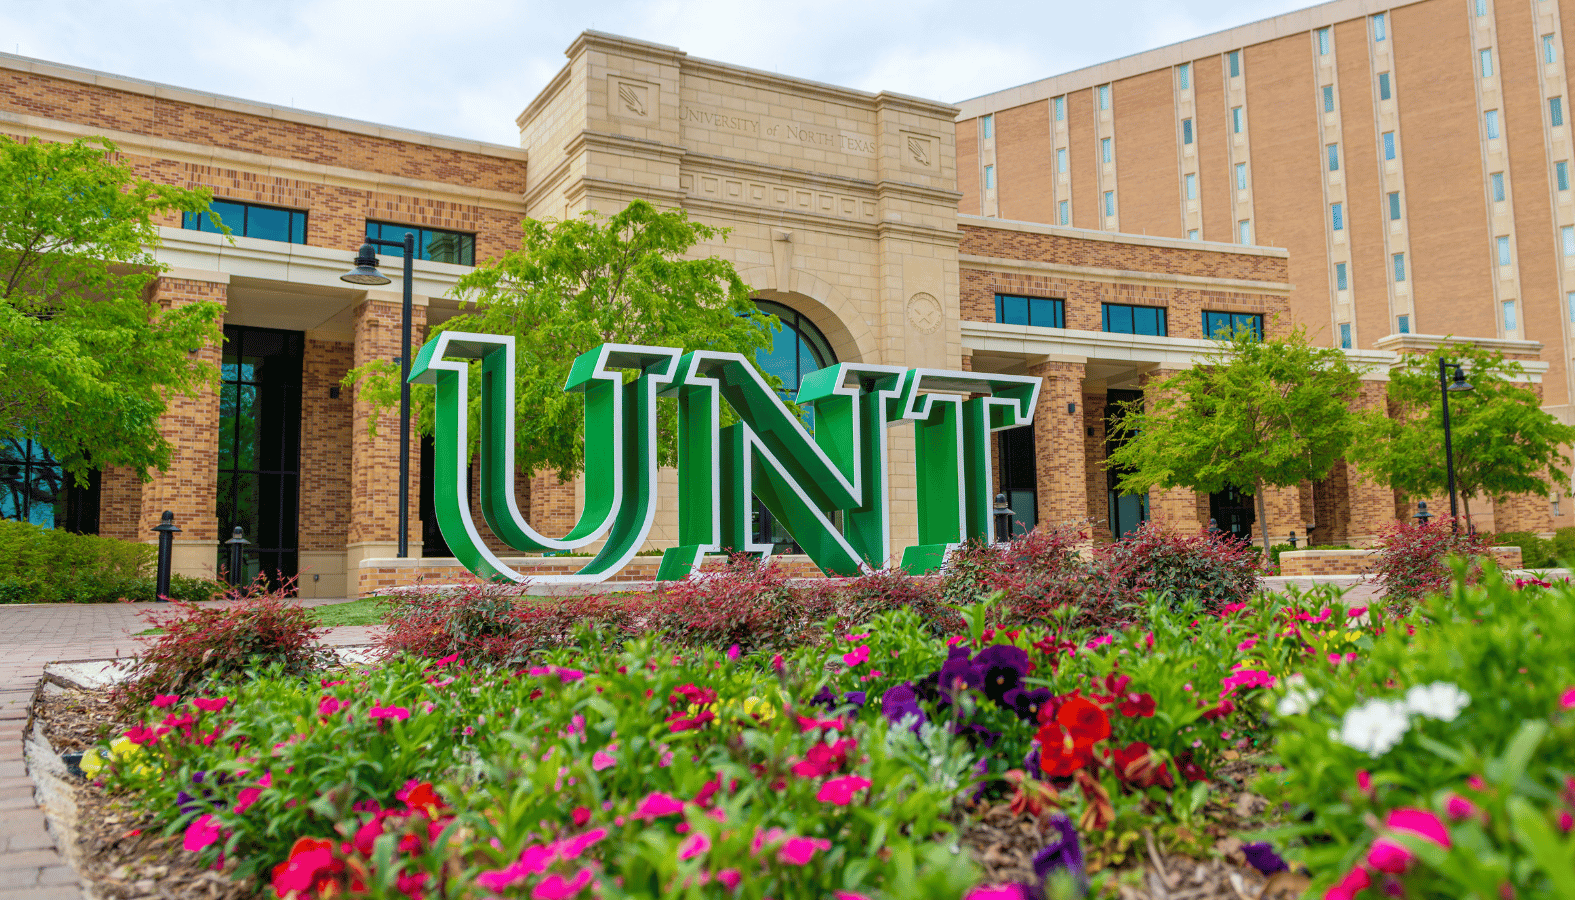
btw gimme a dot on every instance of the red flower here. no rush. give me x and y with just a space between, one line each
1219 710
1083 720
1059 753
311 866
678 722
1137 765
1137 706
1189 769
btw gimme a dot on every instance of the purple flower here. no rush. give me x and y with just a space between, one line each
1263 858
1062 851
900 704
825 697
959 674
1031 759
855 698
1026 703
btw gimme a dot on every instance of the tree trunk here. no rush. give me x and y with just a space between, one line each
1263 519
1465 500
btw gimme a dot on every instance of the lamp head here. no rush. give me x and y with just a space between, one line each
1459 385
365 271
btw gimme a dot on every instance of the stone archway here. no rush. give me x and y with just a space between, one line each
848 332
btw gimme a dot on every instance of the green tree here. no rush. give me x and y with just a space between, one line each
1254 414
87 361
572 286
1503 442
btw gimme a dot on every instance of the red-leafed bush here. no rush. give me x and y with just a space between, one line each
1040 573
748 602
200 646
486 622
1211 568
858 600
1412 558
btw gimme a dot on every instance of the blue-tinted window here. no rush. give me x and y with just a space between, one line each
1394 205
1389 145
1550 54
987 124
1556 111
1496 186
1065 209
434 244
1399 266
270 223
1334 157
1041 312
32 483
1504 258
1235 63
1060 108
1561 171
1104 96
1236 120
1123 319
1323 42
1341 278
1383 86
1226 324
1186 131
1403 324
1337 216
1345 335
797 348
1490 119
1060 159
1328 98
1184 75
1380 32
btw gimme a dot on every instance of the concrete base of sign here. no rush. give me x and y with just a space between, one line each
1307 563
383 576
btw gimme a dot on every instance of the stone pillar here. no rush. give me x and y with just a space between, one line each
1284 509
190 488
1058 445
1368 505
326 442
1096 479
1180 508
373 531
120 504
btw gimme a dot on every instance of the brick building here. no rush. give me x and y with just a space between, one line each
1414 158
843 210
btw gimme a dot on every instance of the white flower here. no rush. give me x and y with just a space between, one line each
1375 727
1299 698
1440 700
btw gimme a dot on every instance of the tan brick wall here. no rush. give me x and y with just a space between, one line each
190 487
1093 408
374 461
1068 249
1181 509
1145 144
1025 163
972 201
1365 219
326 438
1083 159
1216 187
1316 563
120 505
1058 443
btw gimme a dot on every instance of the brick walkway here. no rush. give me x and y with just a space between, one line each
34 635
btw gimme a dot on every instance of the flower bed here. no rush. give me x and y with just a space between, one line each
1428 756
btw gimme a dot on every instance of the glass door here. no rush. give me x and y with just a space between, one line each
260 449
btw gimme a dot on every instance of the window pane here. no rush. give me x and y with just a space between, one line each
1403 325
1509 315
1184 75
989 177
1556 111
1323 42
1235 63
297 227
1186 131
1014 310
1562 170
1235 119
1244 231
1549 51
989 125
1379 31
1394 205
1383 85
1214 323
1568 235
1060 159
1328 98
1066 212
1144 321
1334 157
1569 300
1105 153
232 215
1345 335
1060 108
1339 276
1503 251
268 224
1042 311
1496 182
1192 186
1194 235
1389 145
1399 265
1485 58
1241 176
1336 217
1491 120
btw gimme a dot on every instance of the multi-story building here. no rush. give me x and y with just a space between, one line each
1414 158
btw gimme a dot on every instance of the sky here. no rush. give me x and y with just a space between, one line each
466 68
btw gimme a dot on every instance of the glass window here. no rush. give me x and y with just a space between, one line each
1569 301
1328 98
1106 154
1555 111
1383 85
1496 185
1065 210
1394 205
1323 42
1194 235
1104 96
1389 145
987 126
1502 243
1186 131
797 348
1550 53
1122 319
1235 63
1509 315
1403 324
1481 7
1380 29
1485 63
1244 231
259 447
1235 120
1060 159
1567 238
1060 108
989 178
1184 75
1337 216
1345 335
1241 176
34 488
270 223
1040 312
1399 266
1110 203
433 244
1561 172
1225 324
1192 186
1333 150
1341 280
1490 120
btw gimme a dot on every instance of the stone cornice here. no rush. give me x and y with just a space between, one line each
545 96
1121 276
1426 343
1118 237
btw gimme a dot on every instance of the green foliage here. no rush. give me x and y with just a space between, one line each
1536 552
51 565
87 363
1253 414
1503 441
573 286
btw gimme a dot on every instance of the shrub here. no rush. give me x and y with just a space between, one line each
1039 574
1564 545
50 565
200 647
749 602
1411 561
479 621
1535 552
861 599
1212 569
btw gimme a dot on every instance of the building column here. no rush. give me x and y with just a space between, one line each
1369 506
1058 445
326 426
190 488
1096 480
1179 508
1283 506
374 461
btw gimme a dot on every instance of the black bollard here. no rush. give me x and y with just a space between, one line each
237 545
1293 540
167 530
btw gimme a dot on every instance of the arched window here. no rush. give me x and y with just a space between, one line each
797 349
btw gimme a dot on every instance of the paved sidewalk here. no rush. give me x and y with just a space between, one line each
32 635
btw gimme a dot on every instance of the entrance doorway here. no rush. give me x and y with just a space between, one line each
260 449
1233 513
1019 479
1126 511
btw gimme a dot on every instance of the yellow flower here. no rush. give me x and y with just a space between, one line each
121 751
759 708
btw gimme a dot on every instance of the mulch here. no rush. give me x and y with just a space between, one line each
124 856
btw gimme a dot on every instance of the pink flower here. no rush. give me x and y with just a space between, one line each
1458 807
554 887
840 791
1355 611
730 878
858 656
855 638
1567 699
777 665
164 701
600 761
200 833
1476 783
1000 892
1100 641
573 847
848 895
1232 608
732 653
245 799
1251 678
1364 781
1148 639
658 804
1418 822
797 851
1354 882
1390 856
215 704
1248 644
445 661
1566 821
266 780
388 712
694 845
328 706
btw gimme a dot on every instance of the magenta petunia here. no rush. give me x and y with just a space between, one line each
1418 822
1567 699
574 846
388 712
798 851
165 701
730 878
556 887
859 655
328 706
245 799
1390 856
203 831
694 845
658 804
210 704
840 791
600 761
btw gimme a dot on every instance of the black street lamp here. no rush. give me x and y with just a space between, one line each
365 272
1422 515
1003 519
1459 385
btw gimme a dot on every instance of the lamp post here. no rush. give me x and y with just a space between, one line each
365 272
1458 385
1003 519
